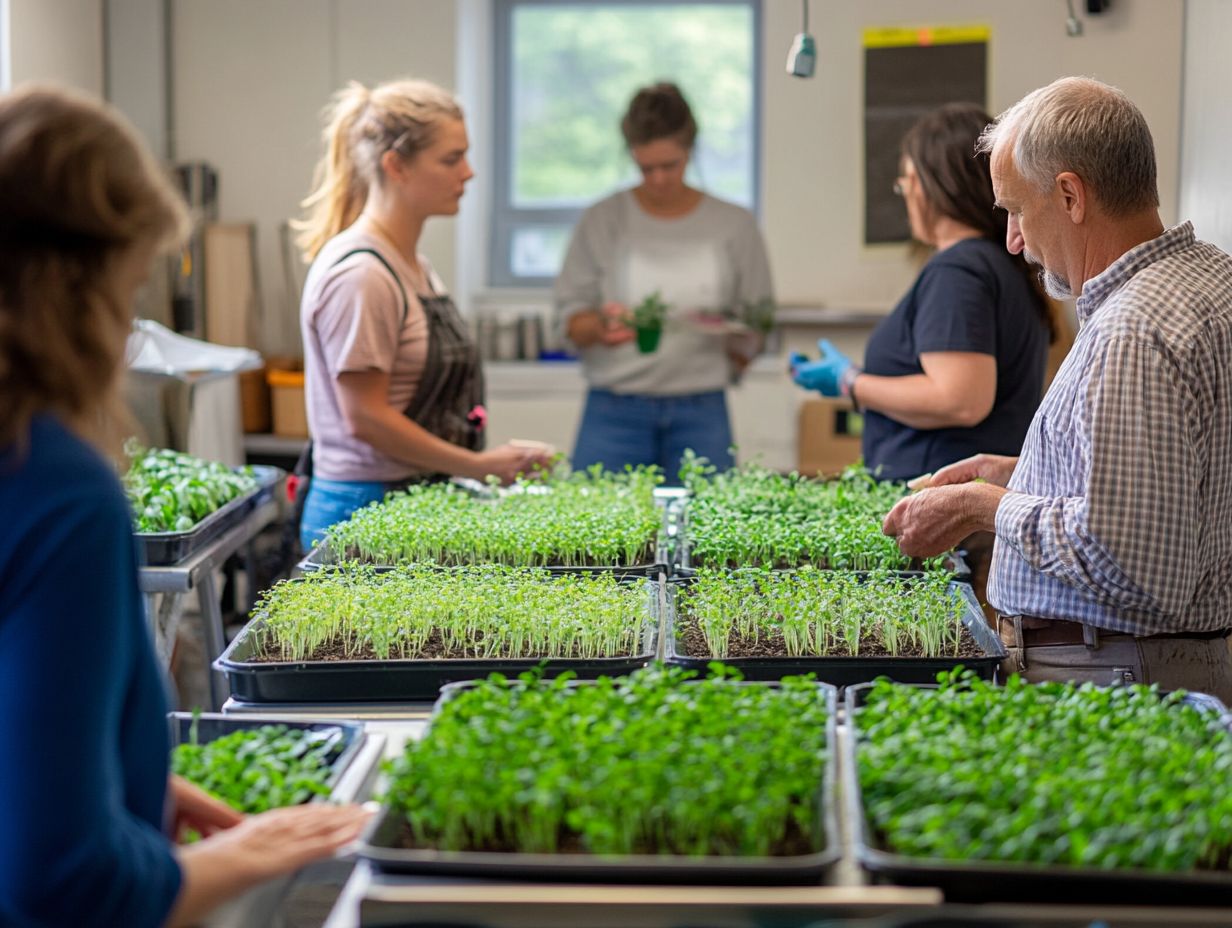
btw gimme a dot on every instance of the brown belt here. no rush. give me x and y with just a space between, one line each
1037 632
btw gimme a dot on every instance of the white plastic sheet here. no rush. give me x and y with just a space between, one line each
155 349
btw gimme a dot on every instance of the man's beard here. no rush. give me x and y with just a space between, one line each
1054 285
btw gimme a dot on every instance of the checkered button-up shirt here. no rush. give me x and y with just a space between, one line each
1120 514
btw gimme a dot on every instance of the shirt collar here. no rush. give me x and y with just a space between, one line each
1099 288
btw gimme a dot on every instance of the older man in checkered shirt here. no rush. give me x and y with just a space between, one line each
1113 554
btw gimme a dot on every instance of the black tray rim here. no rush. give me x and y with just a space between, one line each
799 869
156 545
973 619
940 872
352 733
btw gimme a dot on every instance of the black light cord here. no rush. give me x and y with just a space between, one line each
805 29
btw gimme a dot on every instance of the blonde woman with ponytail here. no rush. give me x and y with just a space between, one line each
394 385
90 813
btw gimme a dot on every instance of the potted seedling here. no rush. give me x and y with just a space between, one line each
647 320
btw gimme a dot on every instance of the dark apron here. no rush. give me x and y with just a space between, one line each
449 400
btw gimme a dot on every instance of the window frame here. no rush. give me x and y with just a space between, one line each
504 217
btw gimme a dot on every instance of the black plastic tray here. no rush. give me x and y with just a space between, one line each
846 671
991 881
377 847
213 725
164 549
400 680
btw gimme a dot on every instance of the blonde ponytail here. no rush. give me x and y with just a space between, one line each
361 125
339 189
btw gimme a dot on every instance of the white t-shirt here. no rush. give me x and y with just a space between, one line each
710 259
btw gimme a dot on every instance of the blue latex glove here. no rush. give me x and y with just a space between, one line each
830 376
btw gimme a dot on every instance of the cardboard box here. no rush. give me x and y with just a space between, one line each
287 396
827 436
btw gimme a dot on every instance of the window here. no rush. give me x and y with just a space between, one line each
565 72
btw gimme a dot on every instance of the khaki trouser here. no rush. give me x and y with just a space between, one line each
1200 665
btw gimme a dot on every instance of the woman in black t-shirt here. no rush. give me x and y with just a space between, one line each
958 367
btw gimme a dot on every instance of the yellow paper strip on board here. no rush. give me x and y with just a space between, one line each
905 36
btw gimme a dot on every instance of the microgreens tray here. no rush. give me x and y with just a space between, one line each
343 738
162 549
384 843
844 669
587 520
255 678
989 880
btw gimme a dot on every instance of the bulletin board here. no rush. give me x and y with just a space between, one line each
907 72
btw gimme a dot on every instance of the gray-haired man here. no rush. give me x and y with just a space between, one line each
1113 555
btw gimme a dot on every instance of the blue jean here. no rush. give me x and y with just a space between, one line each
620 429
332 501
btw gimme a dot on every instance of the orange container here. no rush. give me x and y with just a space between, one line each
287 400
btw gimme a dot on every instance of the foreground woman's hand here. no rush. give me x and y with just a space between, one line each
196 810
933 521
260 848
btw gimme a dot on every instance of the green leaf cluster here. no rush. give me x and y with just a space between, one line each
1046 774
645 764
753 517
585 518
650 313
473 612
257 769
821 612
170 491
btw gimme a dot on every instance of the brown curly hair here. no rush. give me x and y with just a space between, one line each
78 190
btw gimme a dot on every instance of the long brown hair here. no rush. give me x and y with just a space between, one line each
659 111
77 190
360 126
957 182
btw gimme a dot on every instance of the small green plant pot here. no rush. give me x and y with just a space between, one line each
648 340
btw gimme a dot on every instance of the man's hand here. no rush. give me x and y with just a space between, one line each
991 468
932 522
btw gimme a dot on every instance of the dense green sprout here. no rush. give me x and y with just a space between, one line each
647 764
171 492
587 518
471 612
820 612
1047 774
754 517
257 769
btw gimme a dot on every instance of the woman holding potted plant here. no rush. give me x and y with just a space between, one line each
641 266
84 211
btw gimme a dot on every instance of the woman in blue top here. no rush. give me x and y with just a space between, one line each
89 809
958 366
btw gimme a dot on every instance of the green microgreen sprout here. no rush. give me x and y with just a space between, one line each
582 519
825 612
1084 776
752 517
488 611
645 764
171 492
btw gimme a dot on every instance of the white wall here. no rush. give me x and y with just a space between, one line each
57 40
1206 122
250 80
813 128
251 77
